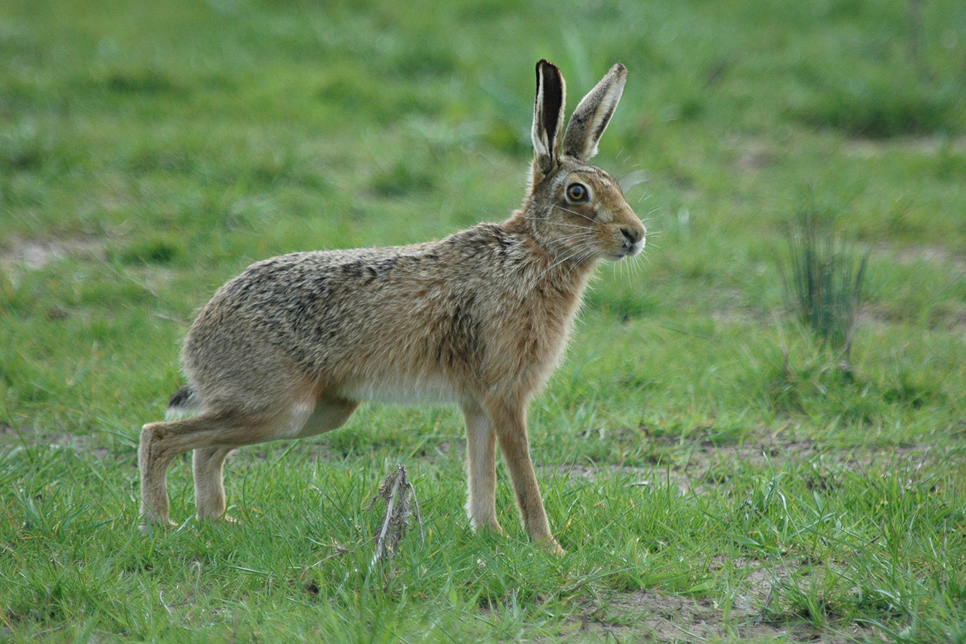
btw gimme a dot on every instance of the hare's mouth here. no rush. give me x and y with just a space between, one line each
631 251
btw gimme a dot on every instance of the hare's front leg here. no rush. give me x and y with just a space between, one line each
480 468
509 420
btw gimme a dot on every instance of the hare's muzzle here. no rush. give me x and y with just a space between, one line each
634 239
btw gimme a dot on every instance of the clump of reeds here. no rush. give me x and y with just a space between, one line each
823 280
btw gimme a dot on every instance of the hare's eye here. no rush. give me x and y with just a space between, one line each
577 192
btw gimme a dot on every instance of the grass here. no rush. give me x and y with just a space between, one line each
823 280
703 459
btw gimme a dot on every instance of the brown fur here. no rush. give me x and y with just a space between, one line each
290 347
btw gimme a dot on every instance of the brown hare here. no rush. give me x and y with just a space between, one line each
293 345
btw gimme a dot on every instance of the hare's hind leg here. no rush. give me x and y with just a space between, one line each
153 465
330 412
306 420
480 468
215 434
208 466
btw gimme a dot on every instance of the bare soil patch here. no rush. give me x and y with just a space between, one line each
752 153
927 254
925 145
654 617
694 466
10 438
25 255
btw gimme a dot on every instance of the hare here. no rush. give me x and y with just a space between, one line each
294 344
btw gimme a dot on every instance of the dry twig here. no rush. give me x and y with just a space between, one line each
395 491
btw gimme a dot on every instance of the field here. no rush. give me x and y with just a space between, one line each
715 470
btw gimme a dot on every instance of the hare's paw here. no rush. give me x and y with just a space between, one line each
147 525
550 545
491 526
218 518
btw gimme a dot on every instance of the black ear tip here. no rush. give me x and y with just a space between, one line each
545 64
620 69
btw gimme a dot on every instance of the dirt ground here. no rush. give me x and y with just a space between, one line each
643 616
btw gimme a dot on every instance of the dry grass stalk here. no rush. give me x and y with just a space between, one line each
395 491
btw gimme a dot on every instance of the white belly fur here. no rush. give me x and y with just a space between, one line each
426 390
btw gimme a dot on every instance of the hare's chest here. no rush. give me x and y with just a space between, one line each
531 341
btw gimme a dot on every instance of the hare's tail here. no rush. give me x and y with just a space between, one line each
183 403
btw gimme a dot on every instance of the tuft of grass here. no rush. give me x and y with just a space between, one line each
157 249
823 280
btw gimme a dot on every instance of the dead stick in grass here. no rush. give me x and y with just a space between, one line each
395 490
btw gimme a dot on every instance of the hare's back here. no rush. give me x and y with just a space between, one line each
299 296
383 316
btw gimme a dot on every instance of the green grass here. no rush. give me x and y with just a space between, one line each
823 281
702 457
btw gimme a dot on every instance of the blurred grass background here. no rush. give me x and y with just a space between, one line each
150 151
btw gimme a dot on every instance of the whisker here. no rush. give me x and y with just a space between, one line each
558 262
573 212
564 223
584 226
579 262
580 254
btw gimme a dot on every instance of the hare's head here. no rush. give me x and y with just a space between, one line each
576 210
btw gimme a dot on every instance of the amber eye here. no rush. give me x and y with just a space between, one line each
577 192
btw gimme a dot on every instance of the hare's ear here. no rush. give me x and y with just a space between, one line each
591 117
548 115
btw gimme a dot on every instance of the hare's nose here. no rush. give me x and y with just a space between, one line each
633 235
